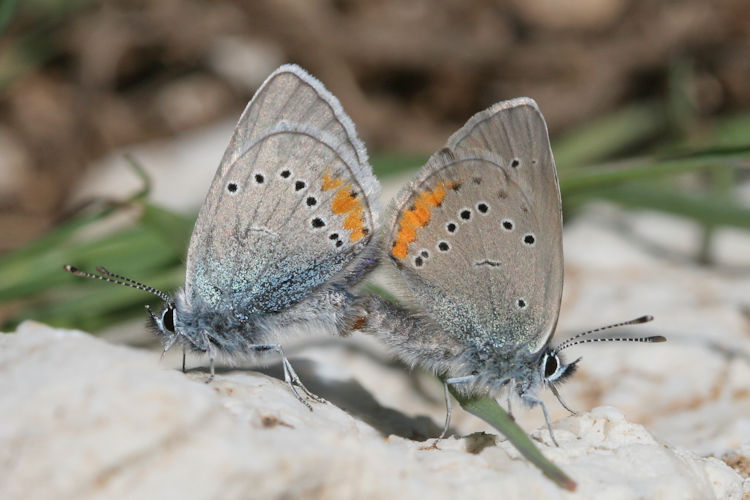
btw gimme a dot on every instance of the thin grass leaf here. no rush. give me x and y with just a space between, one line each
605 176
709 209
488 410
605 137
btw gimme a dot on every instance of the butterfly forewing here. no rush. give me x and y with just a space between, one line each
287 214
292 95
469 235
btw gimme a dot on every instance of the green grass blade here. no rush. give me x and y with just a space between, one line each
488 410
605 176
604 137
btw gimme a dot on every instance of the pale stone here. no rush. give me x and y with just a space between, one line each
83 418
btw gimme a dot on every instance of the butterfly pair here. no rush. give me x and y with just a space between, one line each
289 228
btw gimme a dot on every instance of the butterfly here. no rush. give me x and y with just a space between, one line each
477 239
285 232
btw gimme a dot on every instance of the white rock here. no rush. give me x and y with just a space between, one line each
86 419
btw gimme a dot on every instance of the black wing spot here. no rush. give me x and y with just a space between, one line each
418 261
333 236
521 304
259 178
317 222
299 185
476 180
232 187
451 227
529 239
443 246
425 254
339 243
285 174
311 201
465 214
483 207
502 194
507 224
515 163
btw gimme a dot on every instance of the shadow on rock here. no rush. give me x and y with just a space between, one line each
352 397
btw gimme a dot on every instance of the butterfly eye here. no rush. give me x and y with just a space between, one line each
550 365
167 319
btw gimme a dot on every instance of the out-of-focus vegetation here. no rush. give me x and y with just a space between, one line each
153 249
644 105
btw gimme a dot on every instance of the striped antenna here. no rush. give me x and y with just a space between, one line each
577 339
109 277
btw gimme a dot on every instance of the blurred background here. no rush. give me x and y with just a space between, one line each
114 115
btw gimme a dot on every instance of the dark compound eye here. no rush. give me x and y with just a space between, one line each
167 319
550 366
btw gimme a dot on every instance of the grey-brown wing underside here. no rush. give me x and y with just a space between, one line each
478 234
290 207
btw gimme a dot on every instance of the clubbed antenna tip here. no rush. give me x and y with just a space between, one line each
577 339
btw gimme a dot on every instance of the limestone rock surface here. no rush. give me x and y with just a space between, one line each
82 418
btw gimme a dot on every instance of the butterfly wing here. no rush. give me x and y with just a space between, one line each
478 234
291 204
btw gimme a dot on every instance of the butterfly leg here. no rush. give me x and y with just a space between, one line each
447 411
510 411
533 400
211 356
183 359
510 396
451 381
290 376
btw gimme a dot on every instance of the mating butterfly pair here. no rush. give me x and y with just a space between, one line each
290 226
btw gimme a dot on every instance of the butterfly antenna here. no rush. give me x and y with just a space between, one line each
109 277
578 339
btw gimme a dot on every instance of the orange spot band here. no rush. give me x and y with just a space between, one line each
346 201
416 217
